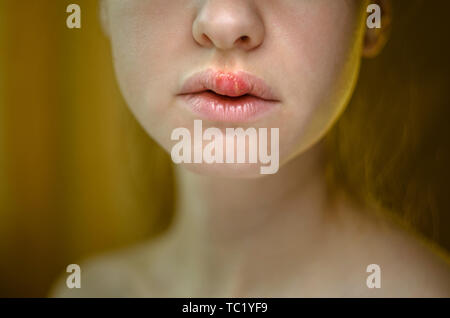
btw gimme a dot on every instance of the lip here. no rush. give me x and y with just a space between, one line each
228 96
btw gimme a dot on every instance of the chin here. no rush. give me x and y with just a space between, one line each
226 170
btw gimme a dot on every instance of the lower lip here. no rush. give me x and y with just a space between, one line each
214 107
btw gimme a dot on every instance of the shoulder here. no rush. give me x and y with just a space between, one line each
409 264
414 266
119 273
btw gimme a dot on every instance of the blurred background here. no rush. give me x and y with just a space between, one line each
72 183
68 183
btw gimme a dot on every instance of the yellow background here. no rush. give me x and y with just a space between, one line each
67 185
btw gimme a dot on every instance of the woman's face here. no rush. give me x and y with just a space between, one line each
303 58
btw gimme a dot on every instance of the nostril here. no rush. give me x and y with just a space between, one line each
243 41
206 39
245 38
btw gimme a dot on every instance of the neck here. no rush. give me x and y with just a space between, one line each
235 230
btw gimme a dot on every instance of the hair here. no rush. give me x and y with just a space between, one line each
389 147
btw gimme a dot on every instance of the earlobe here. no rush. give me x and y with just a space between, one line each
376 36
104 17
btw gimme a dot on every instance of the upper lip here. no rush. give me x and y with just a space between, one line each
230 84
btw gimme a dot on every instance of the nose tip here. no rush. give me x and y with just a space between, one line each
228 25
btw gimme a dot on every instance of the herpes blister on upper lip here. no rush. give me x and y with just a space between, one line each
232 84
229 84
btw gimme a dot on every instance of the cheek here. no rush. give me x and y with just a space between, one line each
147 38
318 45
320 58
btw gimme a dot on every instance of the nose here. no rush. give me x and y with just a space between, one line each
228 24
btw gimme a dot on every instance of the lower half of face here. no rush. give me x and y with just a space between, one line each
194 71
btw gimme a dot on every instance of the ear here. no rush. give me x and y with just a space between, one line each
376 38
103 11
